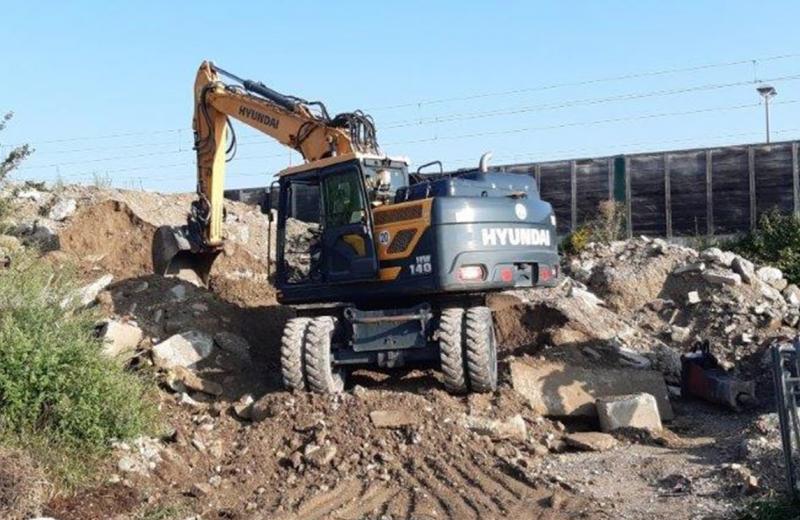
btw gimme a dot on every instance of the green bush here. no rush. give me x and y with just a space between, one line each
776 242
53 382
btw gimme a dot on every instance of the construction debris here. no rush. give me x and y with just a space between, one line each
559 390
629 411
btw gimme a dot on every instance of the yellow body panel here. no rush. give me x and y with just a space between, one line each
413 216
357 243
389 273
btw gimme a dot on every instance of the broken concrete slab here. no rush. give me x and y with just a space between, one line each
720 277
392 418
591 441
119 337
88 293
513 428
559 390
629 411
183 350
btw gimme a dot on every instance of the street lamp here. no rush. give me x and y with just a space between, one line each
767 92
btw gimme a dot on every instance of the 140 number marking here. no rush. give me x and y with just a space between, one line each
422 265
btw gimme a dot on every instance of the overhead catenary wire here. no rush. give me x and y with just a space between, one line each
418 103
578 83
589 123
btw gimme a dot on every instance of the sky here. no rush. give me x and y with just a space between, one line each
103 90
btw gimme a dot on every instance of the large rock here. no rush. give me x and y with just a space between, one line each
119 337
792 295
88 293
63 209
745 269
717 256
559 390
183 350
772 276
629 411
720 277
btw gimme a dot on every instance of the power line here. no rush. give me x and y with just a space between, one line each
578 102
420 103
587 123
579 83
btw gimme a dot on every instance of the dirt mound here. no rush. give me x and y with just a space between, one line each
109 236
23 486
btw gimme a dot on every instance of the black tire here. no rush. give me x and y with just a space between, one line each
321 376
480 348
451 350
292 362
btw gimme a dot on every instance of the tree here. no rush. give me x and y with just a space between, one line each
15 157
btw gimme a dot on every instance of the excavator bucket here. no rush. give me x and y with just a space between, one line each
175 254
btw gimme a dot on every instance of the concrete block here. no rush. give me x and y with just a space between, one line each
560 390
628 411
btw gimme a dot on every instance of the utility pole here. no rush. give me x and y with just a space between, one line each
767 92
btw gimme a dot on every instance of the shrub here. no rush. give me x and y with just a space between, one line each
776 242
605 228
54 384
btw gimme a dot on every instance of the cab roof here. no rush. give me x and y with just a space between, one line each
330 161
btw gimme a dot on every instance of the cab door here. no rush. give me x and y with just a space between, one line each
348 248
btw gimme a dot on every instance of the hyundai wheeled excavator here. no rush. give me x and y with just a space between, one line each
385 268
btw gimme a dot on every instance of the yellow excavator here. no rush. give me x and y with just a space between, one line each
384 268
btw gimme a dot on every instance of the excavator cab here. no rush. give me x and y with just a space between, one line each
325 221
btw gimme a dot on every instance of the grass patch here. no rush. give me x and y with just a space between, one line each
59 399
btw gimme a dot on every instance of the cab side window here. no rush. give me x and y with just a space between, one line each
344 201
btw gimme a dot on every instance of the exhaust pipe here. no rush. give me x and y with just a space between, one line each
483 165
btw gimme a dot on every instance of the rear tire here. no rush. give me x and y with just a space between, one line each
480 349
451 350
321 376
292 362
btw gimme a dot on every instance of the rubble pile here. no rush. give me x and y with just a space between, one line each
600 351
678 296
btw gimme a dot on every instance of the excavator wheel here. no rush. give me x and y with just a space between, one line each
292 350
321 376
451 350
480 349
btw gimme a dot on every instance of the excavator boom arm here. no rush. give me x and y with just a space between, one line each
288 120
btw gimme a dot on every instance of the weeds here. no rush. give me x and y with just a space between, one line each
59 398
776 242
607 227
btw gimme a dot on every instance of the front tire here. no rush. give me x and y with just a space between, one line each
322 377
480 348
292 362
